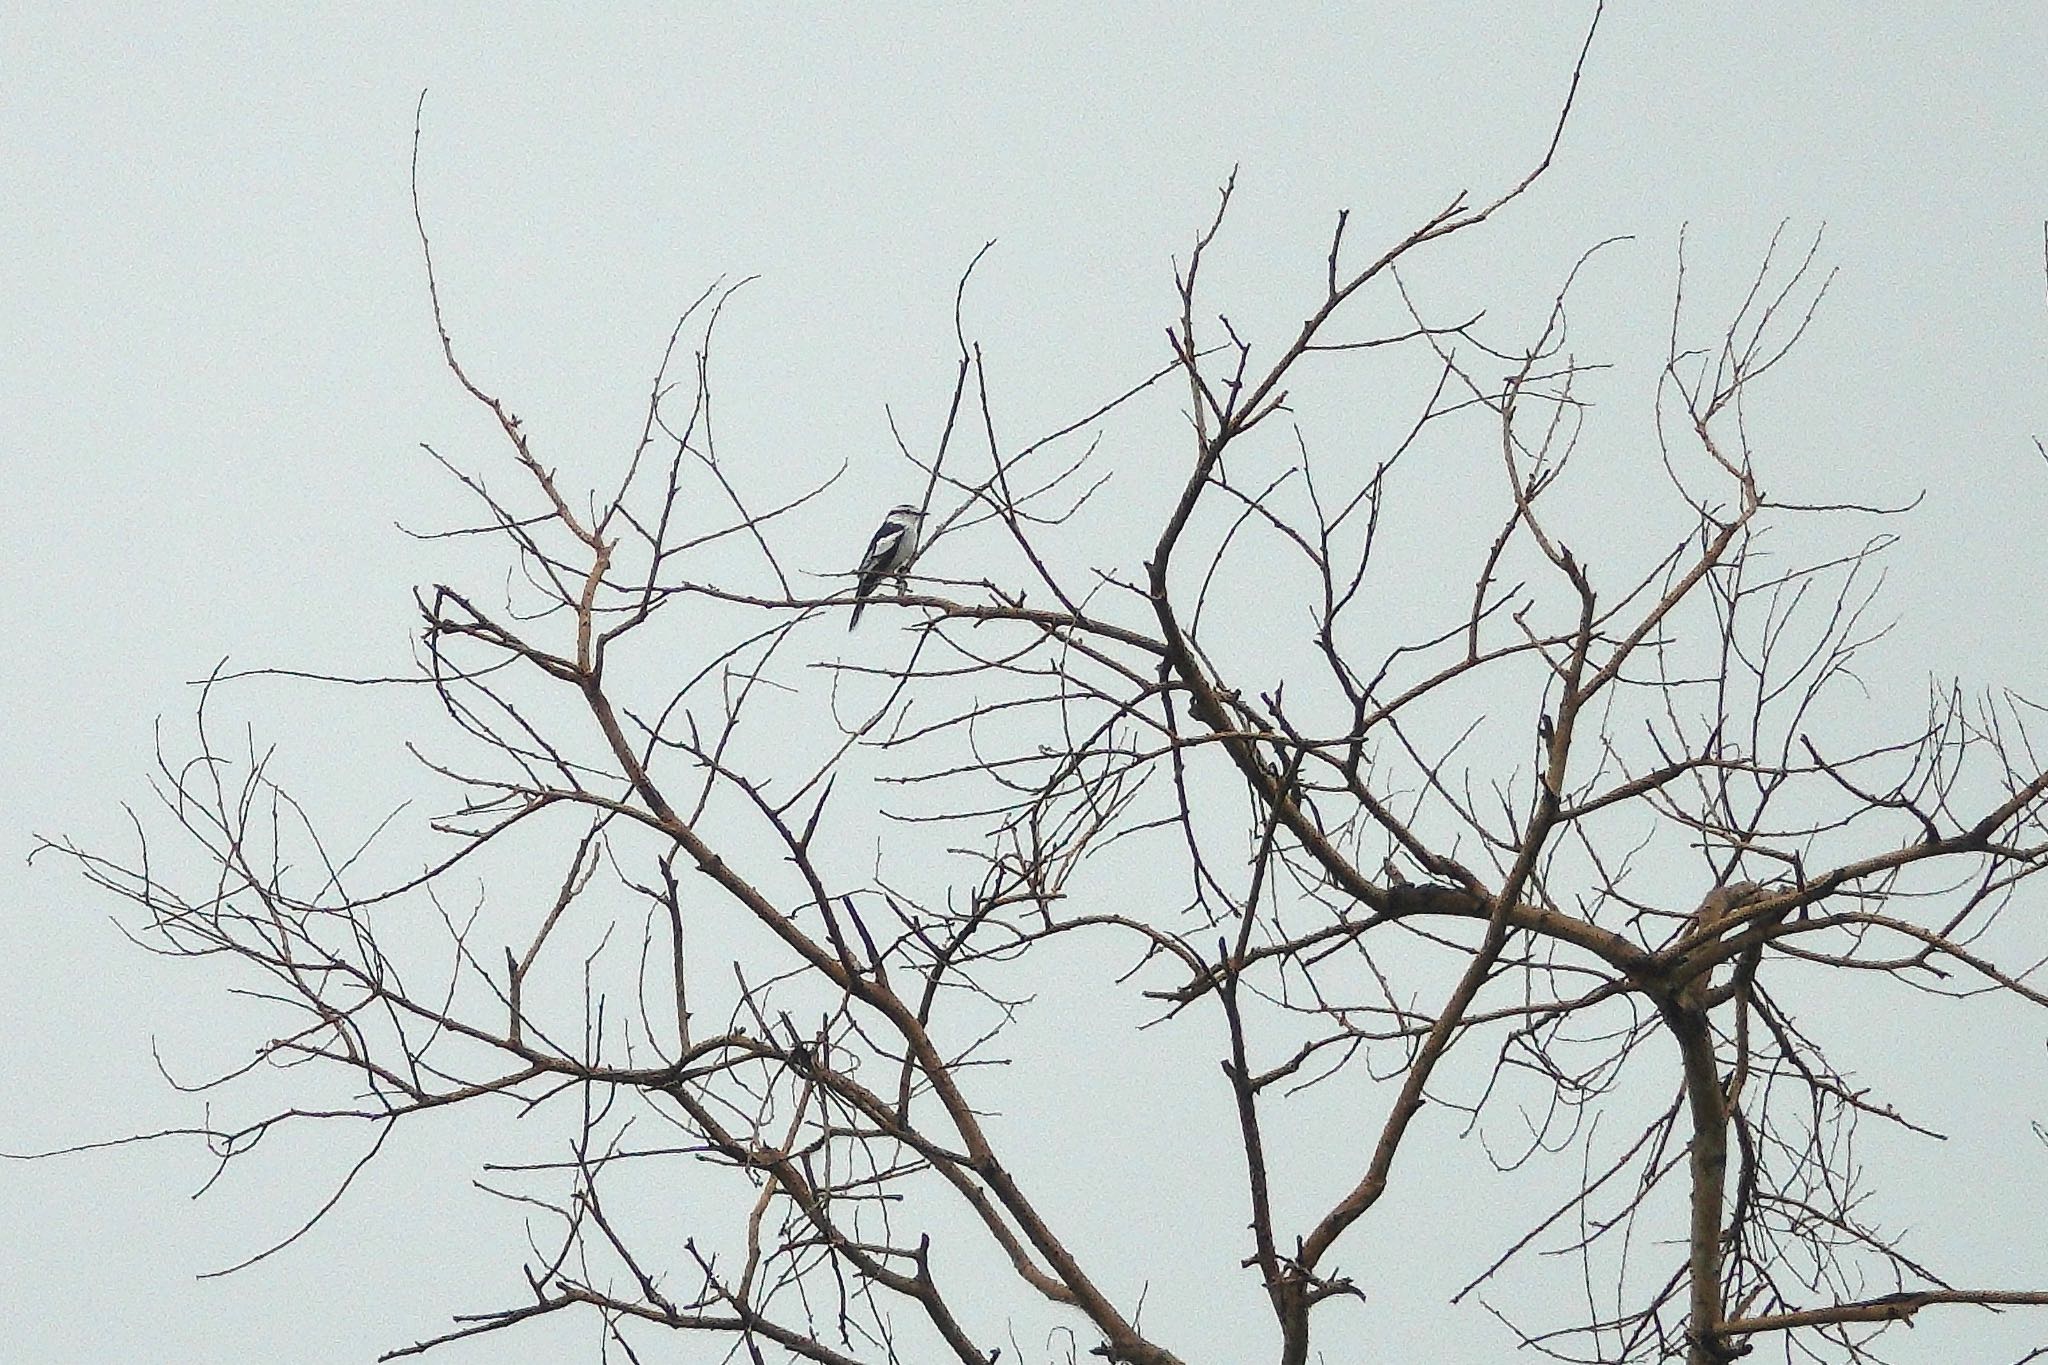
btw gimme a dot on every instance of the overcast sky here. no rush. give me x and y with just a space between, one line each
217 365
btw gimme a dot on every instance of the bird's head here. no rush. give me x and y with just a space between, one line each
908 512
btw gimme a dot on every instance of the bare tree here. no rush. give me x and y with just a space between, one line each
1481 847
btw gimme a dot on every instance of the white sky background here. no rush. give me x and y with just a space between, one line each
217 363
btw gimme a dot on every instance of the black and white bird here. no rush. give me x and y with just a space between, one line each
889 554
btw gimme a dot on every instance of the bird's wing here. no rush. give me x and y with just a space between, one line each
883 547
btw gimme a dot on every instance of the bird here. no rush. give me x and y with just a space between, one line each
889 553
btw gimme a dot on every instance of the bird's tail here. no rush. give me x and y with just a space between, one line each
861 592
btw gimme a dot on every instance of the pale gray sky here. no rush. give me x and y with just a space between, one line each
217 364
